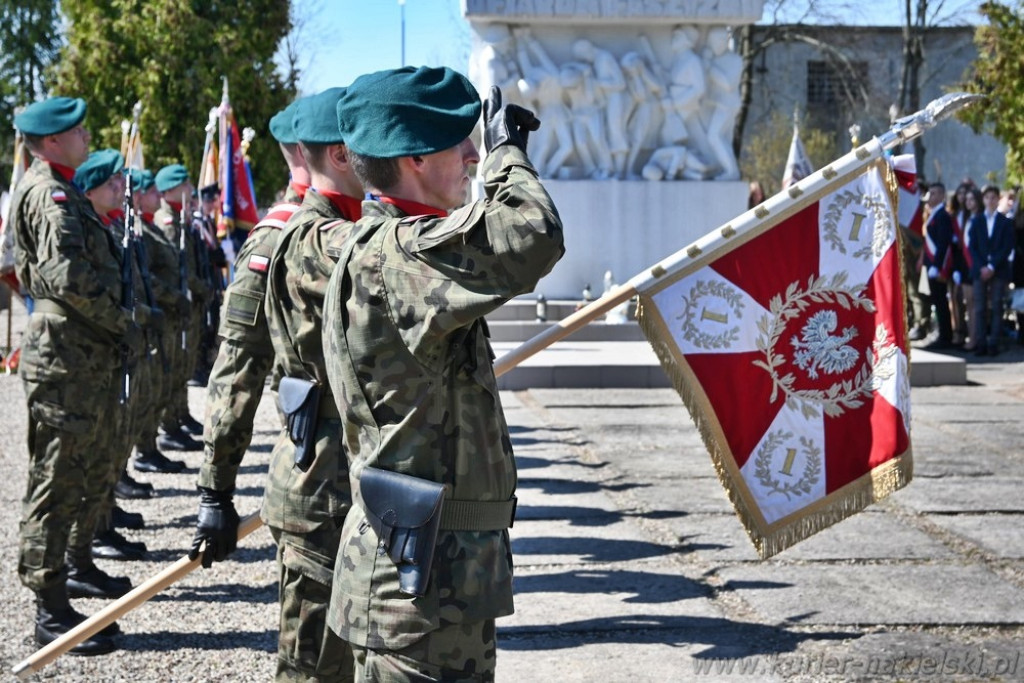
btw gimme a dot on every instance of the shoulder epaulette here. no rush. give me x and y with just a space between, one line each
278 216
409 220
333 224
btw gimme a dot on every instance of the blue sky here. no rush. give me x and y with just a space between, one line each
341 39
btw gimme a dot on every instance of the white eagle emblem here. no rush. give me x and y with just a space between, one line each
819 349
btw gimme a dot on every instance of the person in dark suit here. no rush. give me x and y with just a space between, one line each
938 261
991 243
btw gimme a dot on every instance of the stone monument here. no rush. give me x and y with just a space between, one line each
637 101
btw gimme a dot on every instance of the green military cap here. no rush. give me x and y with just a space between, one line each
142 180
407 112
51 116
169 177
316 118
281 124
98 168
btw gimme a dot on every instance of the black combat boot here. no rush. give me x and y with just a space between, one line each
191 425
110 545
177 440
127 488
122 519
155 461
55 617
89 581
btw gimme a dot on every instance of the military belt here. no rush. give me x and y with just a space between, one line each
478 515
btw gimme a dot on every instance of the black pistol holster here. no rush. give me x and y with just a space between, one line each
405 513
300 402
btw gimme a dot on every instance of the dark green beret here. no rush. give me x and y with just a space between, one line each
281 124
98 168
316 118
141 180
51 116
408 112
169 177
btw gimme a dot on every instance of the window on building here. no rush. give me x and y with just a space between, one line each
830 85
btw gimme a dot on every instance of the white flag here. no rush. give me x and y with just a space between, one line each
798 166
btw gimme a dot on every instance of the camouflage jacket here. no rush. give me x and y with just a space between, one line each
300 270
163 271
66 255
245 357
169 222
404 312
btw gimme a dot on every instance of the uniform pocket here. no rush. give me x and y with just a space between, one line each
243 306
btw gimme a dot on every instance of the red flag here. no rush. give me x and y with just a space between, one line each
238 198
789 347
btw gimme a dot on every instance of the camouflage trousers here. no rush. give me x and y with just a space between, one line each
307 650
151 395
182 362
452 653
114 443
66 470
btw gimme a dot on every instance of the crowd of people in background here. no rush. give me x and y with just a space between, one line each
972 257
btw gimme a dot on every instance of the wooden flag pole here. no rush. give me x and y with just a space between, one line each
119 607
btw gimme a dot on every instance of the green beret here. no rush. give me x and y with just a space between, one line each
281 124
316 118
98 168
51 116
141 180
169 177
407 112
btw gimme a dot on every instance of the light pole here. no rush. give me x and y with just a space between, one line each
401 5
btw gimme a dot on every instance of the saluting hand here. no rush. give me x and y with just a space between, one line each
506 125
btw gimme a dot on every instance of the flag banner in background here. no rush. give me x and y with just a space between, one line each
238 199
789 348
798 165
21 160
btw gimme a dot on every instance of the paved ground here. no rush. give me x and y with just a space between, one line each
631 565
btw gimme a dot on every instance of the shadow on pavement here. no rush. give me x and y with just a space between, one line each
724 638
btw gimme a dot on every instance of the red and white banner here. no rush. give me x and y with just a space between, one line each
798 164
789 347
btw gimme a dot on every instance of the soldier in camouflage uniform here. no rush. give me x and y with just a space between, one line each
72 350
162 261
102 180
243 363
175 190
305 504
410 363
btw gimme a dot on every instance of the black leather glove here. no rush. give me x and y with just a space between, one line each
217 527
506 125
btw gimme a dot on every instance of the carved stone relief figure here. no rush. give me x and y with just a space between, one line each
495 64
724 68
610 84
552 144
675 162
587 121
687 89
646 114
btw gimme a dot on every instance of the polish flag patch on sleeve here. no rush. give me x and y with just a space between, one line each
258 263
59 196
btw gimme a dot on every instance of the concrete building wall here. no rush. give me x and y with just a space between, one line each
953 150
